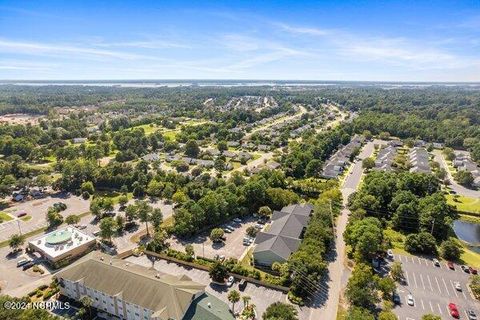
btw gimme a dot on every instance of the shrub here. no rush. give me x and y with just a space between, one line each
450 250
422 242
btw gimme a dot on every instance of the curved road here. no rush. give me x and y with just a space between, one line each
459 189
326 303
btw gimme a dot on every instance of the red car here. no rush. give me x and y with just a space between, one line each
453 310
450 265
472 271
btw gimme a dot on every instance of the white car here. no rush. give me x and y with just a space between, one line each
390 253
458 287
230 281
237 220
410 300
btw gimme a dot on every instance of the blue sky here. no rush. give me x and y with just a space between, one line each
298 40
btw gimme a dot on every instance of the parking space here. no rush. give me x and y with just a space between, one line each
13 278
261 296
232 246
433 288
37 210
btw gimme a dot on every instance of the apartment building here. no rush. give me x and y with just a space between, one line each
133 292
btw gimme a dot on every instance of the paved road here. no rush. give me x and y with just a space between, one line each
461 190
37 209
277 121
433 289
252 164
336 268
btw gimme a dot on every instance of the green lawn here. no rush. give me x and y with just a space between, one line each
114 195
468 256
465 204
5 216
170 134
26 218
148 128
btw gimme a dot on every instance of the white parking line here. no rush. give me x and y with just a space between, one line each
428 277
439 309
445 284
419 262
463 292
430 303
406 276
423 283
415 280
438 285
423 306
412 259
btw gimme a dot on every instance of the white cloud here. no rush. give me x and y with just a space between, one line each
32 48
397 51
145 44
304 30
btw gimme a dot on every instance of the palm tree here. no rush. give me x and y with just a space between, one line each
144 213
246 300
233 297
87 304
249 312
16 241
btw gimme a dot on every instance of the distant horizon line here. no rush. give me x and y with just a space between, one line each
233 80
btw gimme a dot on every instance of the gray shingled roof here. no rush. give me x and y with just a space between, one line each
283 237
167 295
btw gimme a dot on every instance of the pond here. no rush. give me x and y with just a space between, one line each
468 232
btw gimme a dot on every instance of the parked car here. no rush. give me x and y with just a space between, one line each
396 298
471 315
410 300
436 263
247 241
28 265
465 269
81 226
230 281
231 228
390 254
450 265
23 261
237 220
242 285
227 230
219 257
458 287
453 310
21 214
258 226
472 271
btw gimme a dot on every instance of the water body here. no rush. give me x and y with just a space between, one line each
468 232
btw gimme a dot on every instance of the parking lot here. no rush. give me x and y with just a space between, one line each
232 247
433 288
37 209
262 297
14 280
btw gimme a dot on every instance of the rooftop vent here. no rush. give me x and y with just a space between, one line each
101 258
157 276
209 305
